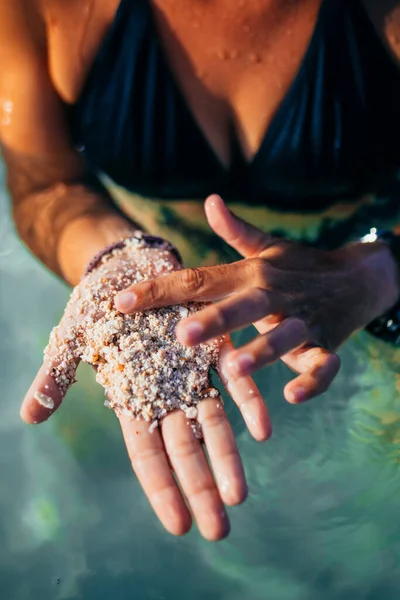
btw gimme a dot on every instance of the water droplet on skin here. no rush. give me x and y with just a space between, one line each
222 54
254 58
8 106
224 484
44 400
233 54
6 110
248 416
53 22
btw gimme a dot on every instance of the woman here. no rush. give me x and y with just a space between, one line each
290 105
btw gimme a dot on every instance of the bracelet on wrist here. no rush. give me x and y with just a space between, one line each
142 240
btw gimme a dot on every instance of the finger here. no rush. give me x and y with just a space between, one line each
150 463
201 284
191 468
229 315
53 379
268 348
223 451
318 368
246 396
247 240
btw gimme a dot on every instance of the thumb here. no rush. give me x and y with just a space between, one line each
247 240
53 379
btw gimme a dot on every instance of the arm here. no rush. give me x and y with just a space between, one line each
65 216
61 211
63 220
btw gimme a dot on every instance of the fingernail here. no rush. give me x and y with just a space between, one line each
242 363
297 395
190 332
126 300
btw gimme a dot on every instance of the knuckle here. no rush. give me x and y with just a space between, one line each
325 379
201 489
142 456
220 317
270 352
260 269
214 420
192 280
153 293
261 297
298 328
184 448
162 488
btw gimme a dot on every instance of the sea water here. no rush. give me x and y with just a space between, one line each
322 520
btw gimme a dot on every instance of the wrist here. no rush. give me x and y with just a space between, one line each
378 275
157 250
87 236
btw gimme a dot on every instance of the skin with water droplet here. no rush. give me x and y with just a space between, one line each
6 112
222 54
44 400
223 483
254 58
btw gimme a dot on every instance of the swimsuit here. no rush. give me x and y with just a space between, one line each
336 134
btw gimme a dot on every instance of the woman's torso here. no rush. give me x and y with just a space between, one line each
288 105
228 69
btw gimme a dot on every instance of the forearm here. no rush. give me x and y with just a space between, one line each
86 235
61 210
65 225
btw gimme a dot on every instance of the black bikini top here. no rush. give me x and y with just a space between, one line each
335 135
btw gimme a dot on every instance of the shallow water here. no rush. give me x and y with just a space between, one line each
322 520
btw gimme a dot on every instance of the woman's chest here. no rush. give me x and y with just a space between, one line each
232 61
158 95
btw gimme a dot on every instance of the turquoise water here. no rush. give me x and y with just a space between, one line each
321 522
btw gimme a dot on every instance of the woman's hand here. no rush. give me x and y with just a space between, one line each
303 301
142 368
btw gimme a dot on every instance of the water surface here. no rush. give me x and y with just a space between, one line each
322 520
